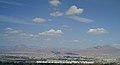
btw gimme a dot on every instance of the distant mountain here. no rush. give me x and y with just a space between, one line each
97 51
105 50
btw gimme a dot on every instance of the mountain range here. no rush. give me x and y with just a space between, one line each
97 51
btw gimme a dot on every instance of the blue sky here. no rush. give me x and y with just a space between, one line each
60 23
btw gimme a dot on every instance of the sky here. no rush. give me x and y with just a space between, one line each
72 24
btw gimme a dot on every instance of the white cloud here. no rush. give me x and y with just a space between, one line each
81 19
18 33
74 10
56 14
39 20
52 32
55 2
97 31
9 29
13 31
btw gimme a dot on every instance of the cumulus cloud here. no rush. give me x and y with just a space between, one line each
81 19
56 14
52 32
39 20
74 10
97 31
54 2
